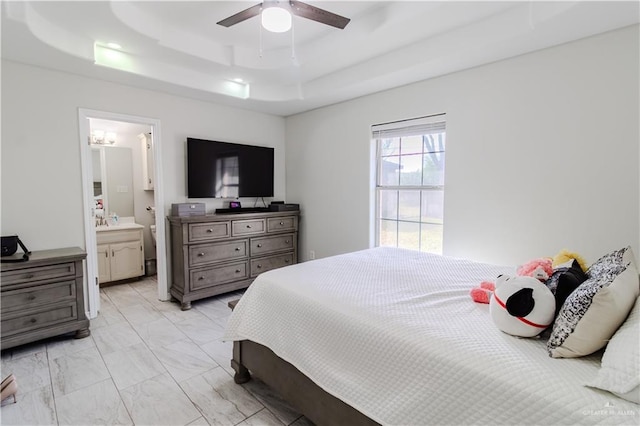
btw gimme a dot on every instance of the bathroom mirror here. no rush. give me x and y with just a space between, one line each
97 173
113 180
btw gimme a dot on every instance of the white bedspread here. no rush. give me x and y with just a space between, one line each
395 334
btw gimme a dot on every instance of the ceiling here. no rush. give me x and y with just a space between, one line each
176 46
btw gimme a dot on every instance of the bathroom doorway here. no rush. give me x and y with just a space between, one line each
101 129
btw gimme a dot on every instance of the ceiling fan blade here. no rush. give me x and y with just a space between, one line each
305 10
241 16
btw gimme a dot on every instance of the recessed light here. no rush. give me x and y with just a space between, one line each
238 80
114 45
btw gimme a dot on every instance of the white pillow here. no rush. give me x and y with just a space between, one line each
620 371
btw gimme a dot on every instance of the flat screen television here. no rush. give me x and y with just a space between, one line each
228 170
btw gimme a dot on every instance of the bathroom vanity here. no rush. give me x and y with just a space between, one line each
120 252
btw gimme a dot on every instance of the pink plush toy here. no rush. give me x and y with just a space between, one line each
541 269
483 293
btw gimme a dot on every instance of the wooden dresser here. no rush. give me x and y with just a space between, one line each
219 253
43 297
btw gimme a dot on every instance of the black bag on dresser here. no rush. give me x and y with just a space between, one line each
10 246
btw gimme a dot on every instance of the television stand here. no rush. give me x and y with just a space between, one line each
244 210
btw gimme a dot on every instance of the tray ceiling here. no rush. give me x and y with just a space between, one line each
176 47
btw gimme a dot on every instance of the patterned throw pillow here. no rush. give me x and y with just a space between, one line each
603 265
595 310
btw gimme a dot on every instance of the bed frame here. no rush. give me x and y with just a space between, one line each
301 392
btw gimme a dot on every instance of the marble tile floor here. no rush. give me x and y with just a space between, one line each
146 362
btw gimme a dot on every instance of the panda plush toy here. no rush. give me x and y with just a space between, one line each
522 306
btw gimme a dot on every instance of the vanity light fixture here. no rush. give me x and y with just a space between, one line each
100 137
97 137
110 137
113 45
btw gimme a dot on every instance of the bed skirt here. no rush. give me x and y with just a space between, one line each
319 406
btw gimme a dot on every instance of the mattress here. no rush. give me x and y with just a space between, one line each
394 334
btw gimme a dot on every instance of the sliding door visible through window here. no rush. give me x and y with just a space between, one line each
410 183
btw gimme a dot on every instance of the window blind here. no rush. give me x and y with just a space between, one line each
411 127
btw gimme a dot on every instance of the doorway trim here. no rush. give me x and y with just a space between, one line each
93 289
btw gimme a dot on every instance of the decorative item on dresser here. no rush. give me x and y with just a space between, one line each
43 297
219 253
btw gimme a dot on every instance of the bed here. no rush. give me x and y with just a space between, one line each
391 336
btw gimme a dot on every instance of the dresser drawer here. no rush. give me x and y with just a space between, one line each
207 253
30 297
210 277
266 245
27 275
33 319
275 224
209 231
265 264
247 227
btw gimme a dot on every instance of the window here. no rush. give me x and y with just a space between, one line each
227 177
410 157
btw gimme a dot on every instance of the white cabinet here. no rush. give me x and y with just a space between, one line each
120 255
147 161
104 268
126 260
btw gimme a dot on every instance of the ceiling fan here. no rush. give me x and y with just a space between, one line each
291 7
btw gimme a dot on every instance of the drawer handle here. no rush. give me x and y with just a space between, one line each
259 266
286 241
201 254
249 226
31 297
237 249
259 245
286 261
238 271
200 278
29 276
281 223
33 320
209 230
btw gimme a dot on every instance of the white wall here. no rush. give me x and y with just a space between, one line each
542 154
41 177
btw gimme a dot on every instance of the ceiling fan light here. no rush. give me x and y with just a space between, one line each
276 19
